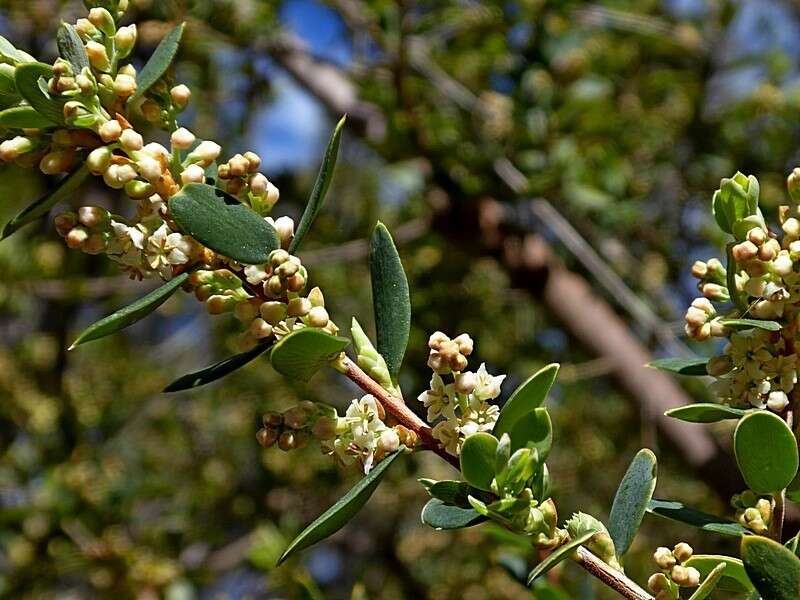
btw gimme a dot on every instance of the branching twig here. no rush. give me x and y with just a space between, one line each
614 579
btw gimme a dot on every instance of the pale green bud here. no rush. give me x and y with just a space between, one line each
125 40
102 19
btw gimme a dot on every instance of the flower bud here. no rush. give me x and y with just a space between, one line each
96 243
76 237
793 184
98 56
205 154
745 251
777 401
465 344
253 161
719 365
117 176
318 317
151 111
110 131
757 236
316 297
180 95
465 382
284 227
98 160
389 441
125 40
157 151
86 30
664 558
716 292
237 166
783 264
193 174
273 312
260 329
296 417
267 437
60 161
92 216
791 227
258 184
658 582
182 139
298 307
287 441
685 576
102 19
148 167
14 148
699 269
273 195
139 190
131 140
124 86
682 552
65 222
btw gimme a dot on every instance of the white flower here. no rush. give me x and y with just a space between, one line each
165 249
480 417
361 433
487 386
447 433
255 274
437 400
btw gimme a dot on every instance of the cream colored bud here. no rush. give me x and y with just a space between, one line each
699 269
98 160
791 227
76 237
777 401
273 312
110 131
149 168
745 251
151 111
253 161
389 441
284 226
258 184
664 558
206 153
218 304
245 311
98 56
658 582
705 305
86 30
768 251
131 140
695 317
193 174
102 19
465 382
116 176
757 236
316 297
260 329
436 340
278 257
157 151
238 166
124 86
715 291
14 148
682 552
298 307
92 216
318 316
180 95
182 139
125 40
465 344
139 190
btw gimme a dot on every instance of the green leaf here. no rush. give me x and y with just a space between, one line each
304 352
734 578
218 370
630 502
558 555
527 397
766 452
338 515
24 117
71 48
681 366
478 459
706 412
132 313
390 299
159 62
533 430
449 492
27 76
62 191
321 185
773 569
439 515
11 55
750 324
677 511
704 590
222 223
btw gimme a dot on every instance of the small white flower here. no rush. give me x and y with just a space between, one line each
165 249
437 400
447 433
255 274
487 387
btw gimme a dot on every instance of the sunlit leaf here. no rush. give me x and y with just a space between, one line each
71 47
159 62
24 117
705 412
766 452
734 578
439 515
710 583
681 366
630 502
773 569
750 324
304 352
27 76
677 511
218 370
527 397
478 459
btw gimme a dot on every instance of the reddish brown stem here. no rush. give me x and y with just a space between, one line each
616 580
397 408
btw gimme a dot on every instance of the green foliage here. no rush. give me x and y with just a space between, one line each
705 412
390 298
681 366
71 48
29 78
24 117
710 583
773 569
478 460
766 452
734 578
737 199
440 515
526 398
630 502
750 323
224 224
676 511
338 515
159 62
219 369
125 317
302 353
559 555
321 186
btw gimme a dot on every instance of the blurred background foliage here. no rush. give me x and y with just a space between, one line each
623 114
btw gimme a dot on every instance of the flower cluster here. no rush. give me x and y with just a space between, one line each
753 512
362 435
461 406
758 367
674 574
294 427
